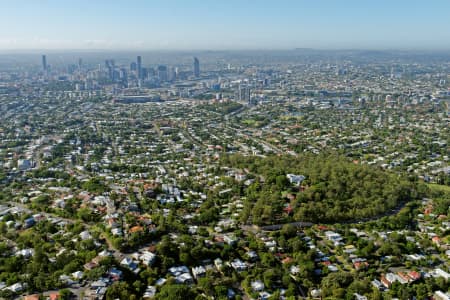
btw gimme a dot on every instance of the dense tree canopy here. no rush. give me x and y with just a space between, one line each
223 108
335 189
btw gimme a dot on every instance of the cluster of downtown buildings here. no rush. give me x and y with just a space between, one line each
134 75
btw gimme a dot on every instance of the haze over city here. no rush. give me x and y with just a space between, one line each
224 25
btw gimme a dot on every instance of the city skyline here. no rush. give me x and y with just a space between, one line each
235 25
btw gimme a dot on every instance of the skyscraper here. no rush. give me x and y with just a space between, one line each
196 67
171 73
162 73
110 66
139 67
44 63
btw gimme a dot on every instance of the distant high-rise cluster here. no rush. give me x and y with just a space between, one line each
136 74
243 93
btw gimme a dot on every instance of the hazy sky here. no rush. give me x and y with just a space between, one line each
224 24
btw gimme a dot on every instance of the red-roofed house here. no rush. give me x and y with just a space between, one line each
54 296
436 240
360 265
385 282
414 275
403 277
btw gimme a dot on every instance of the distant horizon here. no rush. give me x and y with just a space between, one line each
99 50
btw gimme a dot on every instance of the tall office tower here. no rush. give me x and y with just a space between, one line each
196 67
44 62
171 74
109 63
123 74
133 66
139 66
162 73
144 73
80 63
151 72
